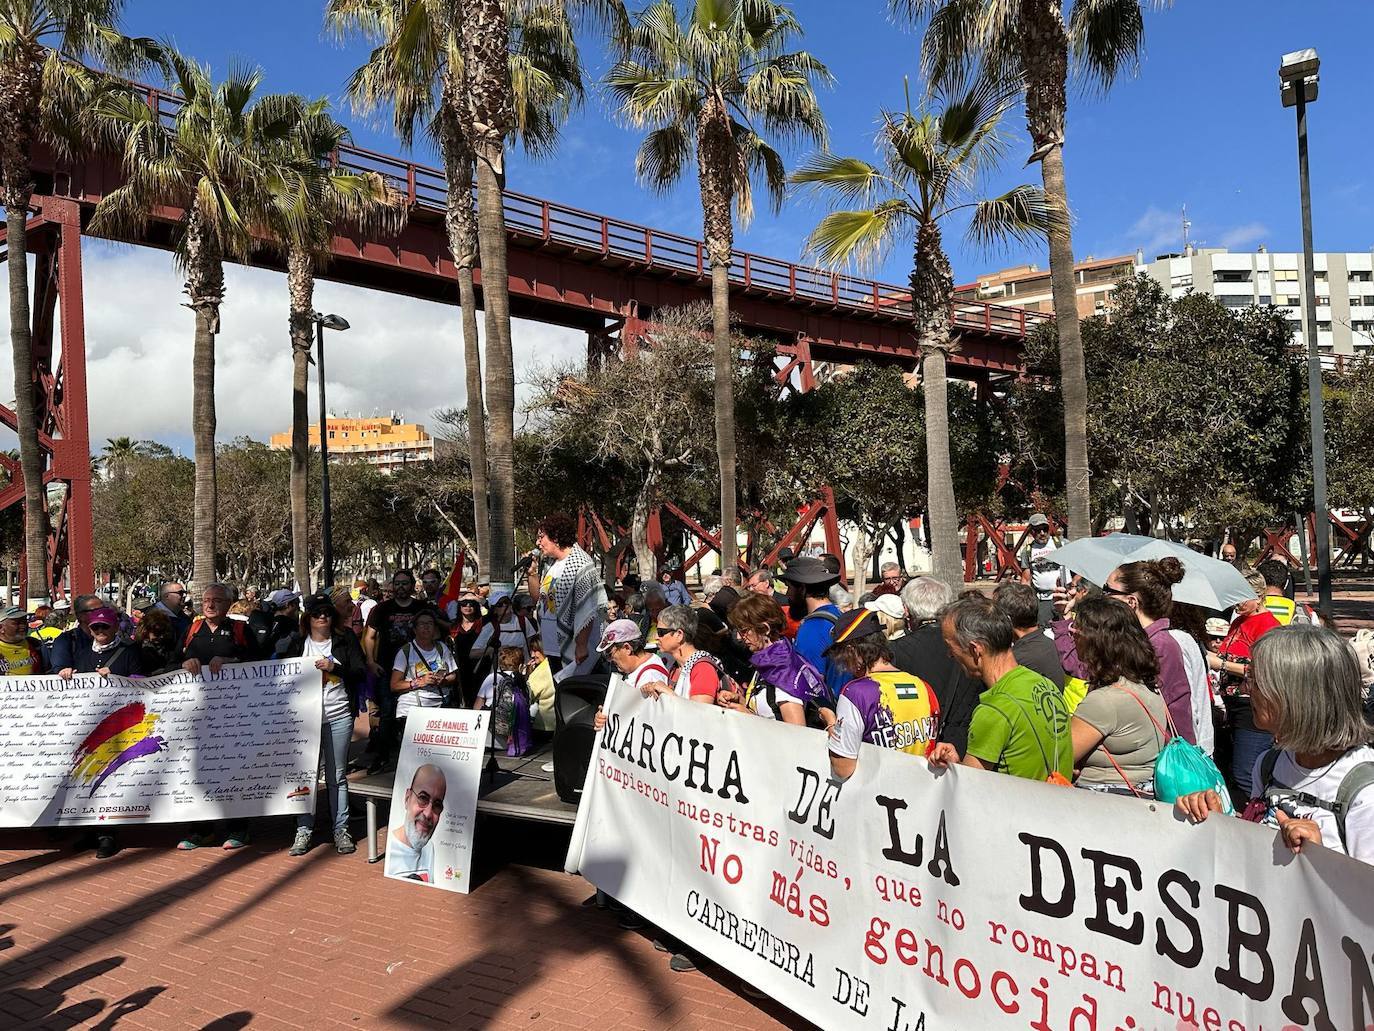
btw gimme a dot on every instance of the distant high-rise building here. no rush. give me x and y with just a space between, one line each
1344 288
387 443
1028 286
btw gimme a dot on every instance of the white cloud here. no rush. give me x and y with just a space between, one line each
1243 236
1156 230
401 354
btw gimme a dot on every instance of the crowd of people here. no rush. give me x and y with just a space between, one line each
1054 679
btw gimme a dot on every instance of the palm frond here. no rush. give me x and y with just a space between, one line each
662 156
1022 215
857 238
1106 38
851 180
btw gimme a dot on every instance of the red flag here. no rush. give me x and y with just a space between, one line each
453 586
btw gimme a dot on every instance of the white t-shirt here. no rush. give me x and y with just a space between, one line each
365 606
335 696
1199 689
513 635
415 662
1045 572
404 861
1325 783
652 672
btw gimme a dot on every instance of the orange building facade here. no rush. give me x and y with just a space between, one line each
385 442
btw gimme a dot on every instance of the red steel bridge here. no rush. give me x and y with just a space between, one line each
567 267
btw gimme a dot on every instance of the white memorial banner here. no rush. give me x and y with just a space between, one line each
434 801
909 900
165 749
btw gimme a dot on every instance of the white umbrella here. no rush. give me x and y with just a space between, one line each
1208 582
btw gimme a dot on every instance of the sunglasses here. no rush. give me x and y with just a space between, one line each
661 630
1116 592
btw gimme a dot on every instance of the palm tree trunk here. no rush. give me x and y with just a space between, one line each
1072 372
1045 58
725 411
500 385
206 507
486 68
460 221
26 418
300 279
205 288
932 285
477 420
715 160
943 513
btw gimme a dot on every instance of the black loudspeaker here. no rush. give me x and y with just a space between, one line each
575 703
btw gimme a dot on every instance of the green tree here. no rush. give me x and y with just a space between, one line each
46 93
1350 436
312 198
930 161
864 434
218 162
644 415
416 70
708 87
1033 40
1195 411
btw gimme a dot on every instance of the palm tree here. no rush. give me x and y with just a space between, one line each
708 86
117 454
45 91
313 198
416 69
216 163
1033 39
930 161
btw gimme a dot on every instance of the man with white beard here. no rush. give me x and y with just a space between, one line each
408 851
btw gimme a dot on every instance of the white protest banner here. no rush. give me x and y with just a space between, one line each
434 801
166 749
906 900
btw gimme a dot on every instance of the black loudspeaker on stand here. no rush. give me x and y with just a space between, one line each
575 703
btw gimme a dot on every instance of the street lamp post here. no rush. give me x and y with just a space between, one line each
323 322
1298 88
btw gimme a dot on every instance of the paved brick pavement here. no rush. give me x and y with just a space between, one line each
158 939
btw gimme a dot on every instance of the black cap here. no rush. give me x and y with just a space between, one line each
851 626
315 602
808 571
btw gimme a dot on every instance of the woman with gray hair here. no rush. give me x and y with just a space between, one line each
1315 785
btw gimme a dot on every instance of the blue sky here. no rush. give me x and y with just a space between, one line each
1200 125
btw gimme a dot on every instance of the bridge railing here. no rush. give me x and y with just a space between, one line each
550 222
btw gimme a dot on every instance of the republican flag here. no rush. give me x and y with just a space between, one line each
453 586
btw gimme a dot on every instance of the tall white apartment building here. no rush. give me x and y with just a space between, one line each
1344 288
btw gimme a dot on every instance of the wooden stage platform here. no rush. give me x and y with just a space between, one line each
518 790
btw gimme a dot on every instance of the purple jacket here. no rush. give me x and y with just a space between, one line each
781 665
1173 677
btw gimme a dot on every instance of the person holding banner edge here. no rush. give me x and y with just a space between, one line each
1316 786
1020 725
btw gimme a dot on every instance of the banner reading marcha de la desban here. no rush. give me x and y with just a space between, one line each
166 749
434 800
904 900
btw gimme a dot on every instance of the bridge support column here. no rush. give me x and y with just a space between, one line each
59 385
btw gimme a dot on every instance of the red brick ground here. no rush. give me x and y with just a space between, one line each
158 939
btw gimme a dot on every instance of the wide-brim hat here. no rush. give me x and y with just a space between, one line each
808 571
